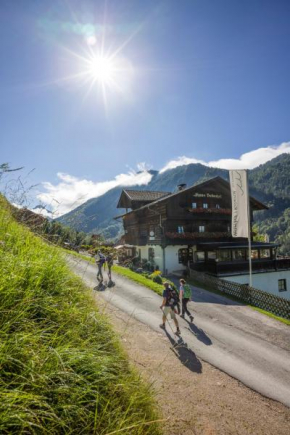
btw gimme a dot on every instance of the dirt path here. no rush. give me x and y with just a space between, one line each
194 396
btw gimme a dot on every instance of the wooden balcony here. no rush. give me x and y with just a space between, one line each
197 236
219 268
213 211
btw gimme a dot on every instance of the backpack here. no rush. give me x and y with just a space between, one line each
172 297
187 292
101 260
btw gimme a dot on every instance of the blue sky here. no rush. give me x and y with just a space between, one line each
207 80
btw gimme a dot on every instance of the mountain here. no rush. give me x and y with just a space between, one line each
269 183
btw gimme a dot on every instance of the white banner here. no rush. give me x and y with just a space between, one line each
239 191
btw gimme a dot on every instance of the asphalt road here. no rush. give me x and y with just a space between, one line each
243 343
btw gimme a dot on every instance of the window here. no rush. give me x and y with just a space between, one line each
211 255
265 253
201 228
225 255
194 205
254 254
185 255
180 229
239 254
143 232
205 205
151 254
200 256
282 287
217 206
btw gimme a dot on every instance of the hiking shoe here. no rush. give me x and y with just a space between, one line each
182 315
191 318
162 326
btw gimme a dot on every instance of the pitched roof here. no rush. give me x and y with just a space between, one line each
129 196
145 195
259 205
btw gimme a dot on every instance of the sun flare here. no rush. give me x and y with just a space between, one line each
102 69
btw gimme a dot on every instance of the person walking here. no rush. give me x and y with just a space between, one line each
175 305
167 307
100 260
110 261
185 296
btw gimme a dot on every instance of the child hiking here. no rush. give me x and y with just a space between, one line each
167 307
185 296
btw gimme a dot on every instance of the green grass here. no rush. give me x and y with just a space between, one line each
62 370
140 279
212 290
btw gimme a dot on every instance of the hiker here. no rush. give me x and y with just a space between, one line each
167 307
185 296
175 305
100 260
110 262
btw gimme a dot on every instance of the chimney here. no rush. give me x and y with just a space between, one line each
181 186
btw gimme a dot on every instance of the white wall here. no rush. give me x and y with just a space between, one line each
267 281
158 255
171 256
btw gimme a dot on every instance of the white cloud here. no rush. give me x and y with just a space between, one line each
248 160
71 191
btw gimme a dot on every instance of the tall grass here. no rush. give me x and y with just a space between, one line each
62 370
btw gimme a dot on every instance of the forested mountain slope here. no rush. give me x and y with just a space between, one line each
270 183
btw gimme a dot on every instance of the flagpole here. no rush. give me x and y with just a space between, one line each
249 234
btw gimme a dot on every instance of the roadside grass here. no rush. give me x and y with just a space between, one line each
62 370
140 279
213 290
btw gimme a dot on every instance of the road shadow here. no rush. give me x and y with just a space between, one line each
199 333
100 287
103 285
200 295
184 354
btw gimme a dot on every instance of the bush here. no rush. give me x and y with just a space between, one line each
157 279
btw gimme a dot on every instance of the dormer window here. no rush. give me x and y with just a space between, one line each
201 228
194 205
205 205
180 229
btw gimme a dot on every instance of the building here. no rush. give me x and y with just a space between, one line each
192 228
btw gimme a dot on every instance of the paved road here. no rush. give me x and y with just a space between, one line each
247 345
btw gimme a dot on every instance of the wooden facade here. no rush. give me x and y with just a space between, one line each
199 213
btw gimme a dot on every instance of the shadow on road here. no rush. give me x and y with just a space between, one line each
199 333
200 295
185 355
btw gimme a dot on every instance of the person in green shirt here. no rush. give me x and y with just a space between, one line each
185 297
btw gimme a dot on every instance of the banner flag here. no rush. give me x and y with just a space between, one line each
239 192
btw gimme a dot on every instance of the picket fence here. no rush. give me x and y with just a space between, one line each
252 296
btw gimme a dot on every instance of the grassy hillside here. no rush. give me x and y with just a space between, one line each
62 369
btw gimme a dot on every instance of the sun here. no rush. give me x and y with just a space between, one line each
102 69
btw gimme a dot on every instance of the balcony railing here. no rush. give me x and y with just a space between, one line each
226 211
222 268
197 235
